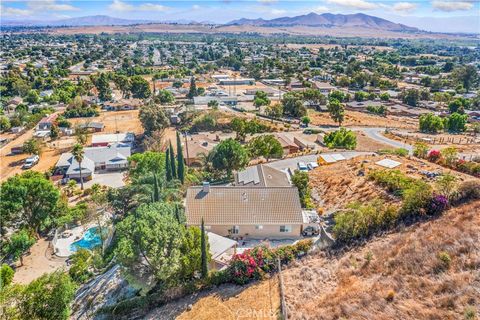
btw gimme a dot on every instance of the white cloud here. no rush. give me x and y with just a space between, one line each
404 6
50 5
267 2
277 12
320 9
14 12
452 5
152 7
355 4
118 5
196 7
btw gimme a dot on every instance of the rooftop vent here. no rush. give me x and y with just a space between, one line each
206 187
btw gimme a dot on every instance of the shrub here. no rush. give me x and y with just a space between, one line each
438 204
444 261
430 123
420 150
434 156
246 266
6 275
390 296
469 190
342 138
81 263
401 152
379 110
219 277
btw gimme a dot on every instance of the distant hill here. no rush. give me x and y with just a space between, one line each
328 20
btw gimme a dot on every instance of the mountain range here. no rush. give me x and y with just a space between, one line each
328 20
325 20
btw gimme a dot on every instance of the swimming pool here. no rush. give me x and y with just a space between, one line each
90 240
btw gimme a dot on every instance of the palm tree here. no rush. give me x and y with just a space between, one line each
78 154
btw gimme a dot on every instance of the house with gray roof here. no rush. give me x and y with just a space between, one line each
261 176
95 159
246 211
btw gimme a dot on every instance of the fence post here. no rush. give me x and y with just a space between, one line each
283 306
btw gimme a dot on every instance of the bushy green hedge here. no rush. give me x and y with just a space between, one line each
342 138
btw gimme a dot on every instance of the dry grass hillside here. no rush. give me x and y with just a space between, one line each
427 271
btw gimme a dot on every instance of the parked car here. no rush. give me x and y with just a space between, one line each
302 166
30 162
312 165
311 231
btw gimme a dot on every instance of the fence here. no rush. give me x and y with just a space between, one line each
283 305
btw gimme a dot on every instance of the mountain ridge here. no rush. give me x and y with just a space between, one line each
328 20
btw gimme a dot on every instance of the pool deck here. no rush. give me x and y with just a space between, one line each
62 246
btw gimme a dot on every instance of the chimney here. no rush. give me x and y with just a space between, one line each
206 187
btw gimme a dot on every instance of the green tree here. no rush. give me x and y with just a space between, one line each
204 251
213 104
306 120
456 122
5 124
165 97
292 103
466 75
54 132
446 185
180 160
148 162
30 200
261 99
172 161
18 244
103 86
384 96
193 92
266 146
274 111
336 110
140 87
78 154
229 155
300 180
153 119
411 97
430 123
6 275
150 243
123 84
341 138
168 167
48 297
32 146
32 97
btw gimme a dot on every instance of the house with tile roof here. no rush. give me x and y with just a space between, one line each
246 211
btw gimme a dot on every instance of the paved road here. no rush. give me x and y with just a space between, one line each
376 134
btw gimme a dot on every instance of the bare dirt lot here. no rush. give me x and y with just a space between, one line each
397 276
115 121
355 118
230 302
343 182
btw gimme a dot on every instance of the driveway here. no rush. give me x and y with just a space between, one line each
109 179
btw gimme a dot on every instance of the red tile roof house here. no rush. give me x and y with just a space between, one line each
47 122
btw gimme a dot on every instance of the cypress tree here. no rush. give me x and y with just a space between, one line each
156 190
180 160
204 252
172 162
168 168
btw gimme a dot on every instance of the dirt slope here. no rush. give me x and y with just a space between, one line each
405 278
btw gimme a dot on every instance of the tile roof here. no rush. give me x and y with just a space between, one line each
225 205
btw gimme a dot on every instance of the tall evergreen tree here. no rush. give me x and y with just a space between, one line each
203 244
172 162
180 160
193 89
168 168
156 189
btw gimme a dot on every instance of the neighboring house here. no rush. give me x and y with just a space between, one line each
47 122
119 139
261 176
123 104
95 159
288 145
324 87
196 150
237 81
238 212
93 126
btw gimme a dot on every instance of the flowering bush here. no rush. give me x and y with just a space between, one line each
247 266
434 155
438 204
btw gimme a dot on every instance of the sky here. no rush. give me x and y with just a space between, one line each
431 15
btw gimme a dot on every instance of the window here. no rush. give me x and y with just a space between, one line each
235 230
258 227
285 228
